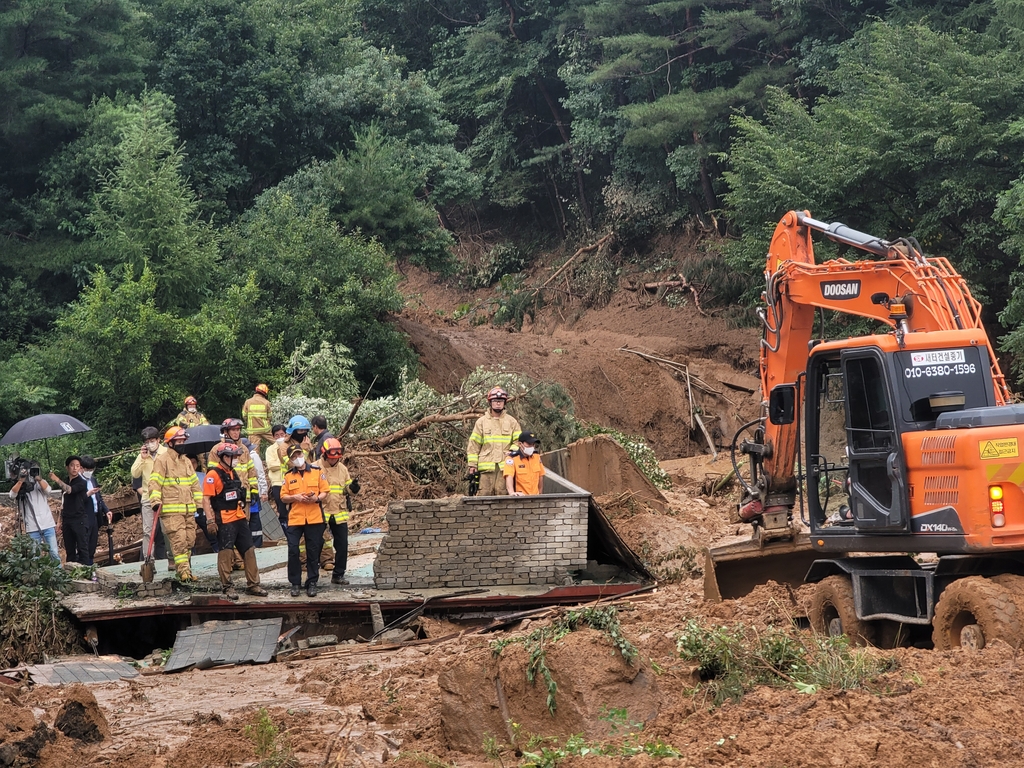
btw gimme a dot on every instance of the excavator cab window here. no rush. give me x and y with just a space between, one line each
827 485
869 419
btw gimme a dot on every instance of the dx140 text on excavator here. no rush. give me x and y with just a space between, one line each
872 447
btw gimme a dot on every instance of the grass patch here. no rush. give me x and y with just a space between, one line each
733 660
603 619
273 748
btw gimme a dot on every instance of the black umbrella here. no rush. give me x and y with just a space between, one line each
200 440
43 427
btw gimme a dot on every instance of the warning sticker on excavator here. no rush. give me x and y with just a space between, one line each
1004 448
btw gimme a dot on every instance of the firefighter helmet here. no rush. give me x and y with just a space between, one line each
497 394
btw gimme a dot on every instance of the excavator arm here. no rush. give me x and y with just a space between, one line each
900 288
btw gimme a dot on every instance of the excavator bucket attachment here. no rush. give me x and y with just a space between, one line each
732 569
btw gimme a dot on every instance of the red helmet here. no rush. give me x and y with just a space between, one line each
175 433
230 424
190 401
263 389
332 447
497 394
222 450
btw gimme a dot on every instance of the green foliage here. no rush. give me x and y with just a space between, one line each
603 619
638 450
272 747
915 137
55 57
498 261
310 282
32 622
732 660
146 216
626 741
373 188
326 373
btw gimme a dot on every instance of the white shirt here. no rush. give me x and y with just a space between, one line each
36 511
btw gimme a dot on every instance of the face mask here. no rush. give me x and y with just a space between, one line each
299 436
153 446
299 462
191 409
528 450
230 462
282 439
87 474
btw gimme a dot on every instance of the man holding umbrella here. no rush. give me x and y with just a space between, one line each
174 495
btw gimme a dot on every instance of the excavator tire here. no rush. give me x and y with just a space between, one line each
1015 585
831 611
974 611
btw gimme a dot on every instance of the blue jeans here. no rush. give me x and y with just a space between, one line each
50 537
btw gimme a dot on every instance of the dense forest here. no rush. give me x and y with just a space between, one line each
192 189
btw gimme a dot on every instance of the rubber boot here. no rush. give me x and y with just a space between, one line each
252 575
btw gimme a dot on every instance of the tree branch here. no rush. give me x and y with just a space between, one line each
411 429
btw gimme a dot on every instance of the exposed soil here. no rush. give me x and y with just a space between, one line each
451 702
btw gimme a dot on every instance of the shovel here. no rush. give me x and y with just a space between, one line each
148 569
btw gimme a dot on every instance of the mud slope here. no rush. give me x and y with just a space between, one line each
608 386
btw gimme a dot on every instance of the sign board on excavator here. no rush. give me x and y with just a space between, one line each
1005 448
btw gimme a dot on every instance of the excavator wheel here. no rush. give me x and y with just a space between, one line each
1015 585
974 611
831 611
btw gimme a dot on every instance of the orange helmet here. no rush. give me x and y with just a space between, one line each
221 450
189 401
175 433
263 389
332 447
497 394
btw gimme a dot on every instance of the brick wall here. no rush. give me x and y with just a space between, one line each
483 541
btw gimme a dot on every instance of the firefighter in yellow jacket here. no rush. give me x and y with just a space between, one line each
338 504
174 495
190 415
492 438
258 416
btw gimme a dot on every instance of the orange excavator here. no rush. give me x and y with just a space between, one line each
875 446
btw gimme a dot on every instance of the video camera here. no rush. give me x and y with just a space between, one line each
26 470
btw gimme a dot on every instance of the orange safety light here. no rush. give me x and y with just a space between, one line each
995 505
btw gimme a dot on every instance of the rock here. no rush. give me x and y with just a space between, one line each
80 716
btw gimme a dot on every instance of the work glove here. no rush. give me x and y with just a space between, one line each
354 486
211 528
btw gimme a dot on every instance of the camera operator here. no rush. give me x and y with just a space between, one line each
31 491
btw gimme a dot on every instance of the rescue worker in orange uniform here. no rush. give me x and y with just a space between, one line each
491 439
338 504
258 416
303 490
224 497
523 469
231 432
190 415
174 496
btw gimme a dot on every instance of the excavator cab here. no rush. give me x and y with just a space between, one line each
854 462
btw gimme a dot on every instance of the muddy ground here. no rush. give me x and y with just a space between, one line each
454 702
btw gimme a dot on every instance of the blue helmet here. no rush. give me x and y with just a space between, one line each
298 422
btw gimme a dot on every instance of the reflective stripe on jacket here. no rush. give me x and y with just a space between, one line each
256 414
339 480
173 484
490 441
